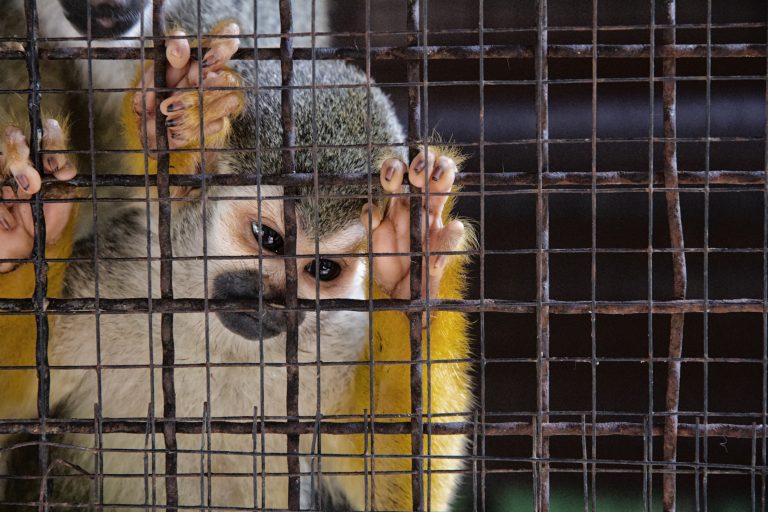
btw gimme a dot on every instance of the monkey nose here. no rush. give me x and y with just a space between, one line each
106 22
110 3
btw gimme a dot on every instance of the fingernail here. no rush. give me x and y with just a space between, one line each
176 106
206 63
389 173
51 161
5 224
419 167
22 181
437 174
170 122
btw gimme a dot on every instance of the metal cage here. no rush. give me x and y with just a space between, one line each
616 230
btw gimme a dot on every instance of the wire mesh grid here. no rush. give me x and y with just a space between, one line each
667 453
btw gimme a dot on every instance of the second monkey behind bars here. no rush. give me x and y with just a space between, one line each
234 361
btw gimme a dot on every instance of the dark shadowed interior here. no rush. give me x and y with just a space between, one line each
606 374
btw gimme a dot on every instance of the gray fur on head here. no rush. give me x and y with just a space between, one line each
336 120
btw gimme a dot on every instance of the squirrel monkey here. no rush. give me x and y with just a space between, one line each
220 355
66 23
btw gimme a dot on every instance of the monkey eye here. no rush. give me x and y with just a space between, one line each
328 271
268 238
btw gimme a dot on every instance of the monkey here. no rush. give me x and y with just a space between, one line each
66 23
333 119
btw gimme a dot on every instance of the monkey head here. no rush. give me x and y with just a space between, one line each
338 131
249 235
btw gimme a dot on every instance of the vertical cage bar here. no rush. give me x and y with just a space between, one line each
150 443
481 262
291 278
371 493
99 455
542 260
705 277
166 268
416 371
260 410
316 464
674 220
764 410
38 251
593 261
648 490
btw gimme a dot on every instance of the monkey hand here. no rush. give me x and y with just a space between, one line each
436 172
16 225
185 110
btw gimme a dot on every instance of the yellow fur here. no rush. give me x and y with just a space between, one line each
450 393
17 344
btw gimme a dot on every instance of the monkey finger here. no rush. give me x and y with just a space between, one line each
7 219
148 135
213 127
177 52
388 271
446 240
145 99
15 245
179 136
391 175
176 103
375 217
58 164
221 49
419 168
24 219
26 176
56 220
224 105
441 181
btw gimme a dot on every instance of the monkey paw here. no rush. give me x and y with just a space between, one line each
391 233
16 225
185 111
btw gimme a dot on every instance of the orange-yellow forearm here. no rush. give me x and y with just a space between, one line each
17 343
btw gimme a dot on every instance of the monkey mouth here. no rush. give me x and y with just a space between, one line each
252 325
105 21
265 323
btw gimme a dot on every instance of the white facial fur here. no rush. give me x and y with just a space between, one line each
231 246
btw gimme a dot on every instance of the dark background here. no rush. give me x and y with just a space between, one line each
731 383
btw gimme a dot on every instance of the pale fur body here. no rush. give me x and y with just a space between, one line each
231 391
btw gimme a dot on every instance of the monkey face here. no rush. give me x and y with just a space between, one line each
109 18
235 231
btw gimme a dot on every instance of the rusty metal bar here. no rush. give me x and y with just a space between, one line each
556 307
542 262
513 428
291 276
166 269
764 408
491 179
38 251
674 219
593 274
554 51
414 76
